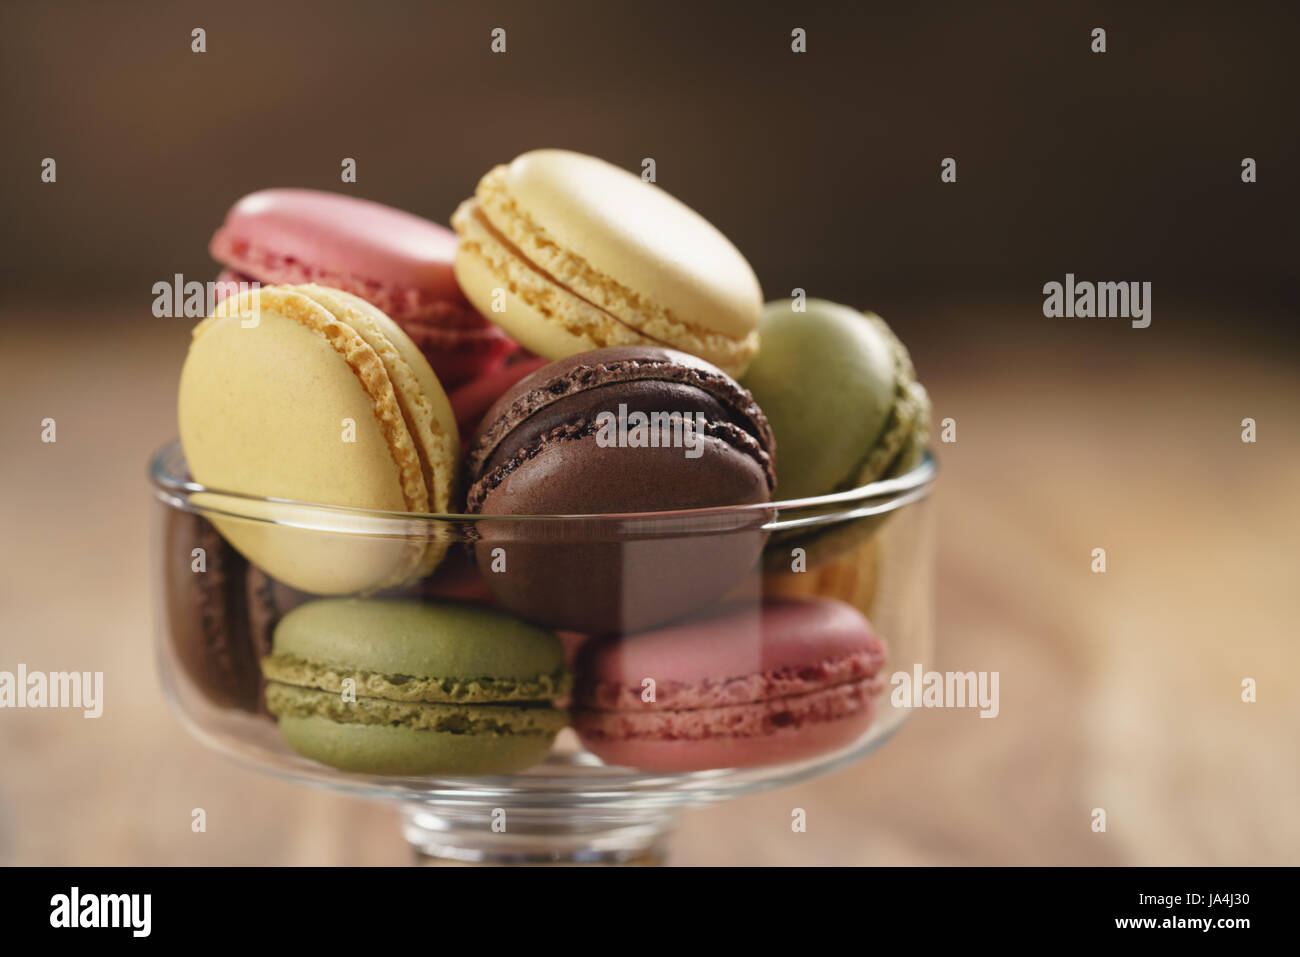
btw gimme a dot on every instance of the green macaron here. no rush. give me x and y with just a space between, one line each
840 393
841 396
415 688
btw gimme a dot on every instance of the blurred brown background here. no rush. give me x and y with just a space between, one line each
1120 691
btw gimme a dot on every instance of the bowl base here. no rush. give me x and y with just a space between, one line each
480 835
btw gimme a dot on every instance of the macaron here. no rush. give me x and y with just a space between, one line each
841 395
840 392
629 429
313 395
415 688
399 262
569 253
221 612
741 686
845 564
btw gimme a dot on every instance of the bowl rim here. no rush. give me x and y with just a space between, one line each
176 490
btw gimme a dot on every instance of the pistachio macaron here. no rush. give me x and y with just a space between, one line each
840 393
569 253
400 687
841 396
310 394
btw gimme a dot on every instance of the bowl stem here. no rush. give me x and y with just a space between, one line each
444 834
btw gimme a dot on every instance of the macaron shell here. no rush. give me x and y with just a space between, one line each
781 746
320 551
379 749
826 380
902 442
299 235
262 412
244 393
621 586
442 640
417 388
913 407
593 585
420 396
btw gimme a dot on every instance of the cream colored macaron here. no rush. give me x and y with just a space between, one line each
568 253
313 395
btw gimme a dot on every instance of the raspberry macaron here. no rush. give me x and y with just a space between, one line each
740 686
399 262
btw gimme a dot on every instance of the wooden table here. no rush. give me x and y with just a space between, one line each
1120 691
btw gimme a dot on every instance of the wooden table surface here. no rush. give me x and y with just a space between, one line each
1120 691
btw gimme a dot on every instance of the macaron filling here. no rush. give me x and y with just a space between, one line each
295 670
750 720
783 682
537 719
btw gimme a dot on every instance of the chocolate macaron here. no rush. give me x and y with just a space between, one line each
221 613
613 431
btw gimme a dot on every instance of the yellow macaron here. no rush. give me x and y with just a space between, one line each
313 395
569 253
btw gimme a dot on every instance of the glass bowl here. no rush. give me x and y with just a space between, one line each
870 547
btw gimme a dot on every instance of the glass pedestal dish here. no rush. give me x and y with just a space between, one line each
871 548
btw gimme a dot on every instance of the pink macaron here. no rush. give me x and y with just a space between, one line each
400 262
744 685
